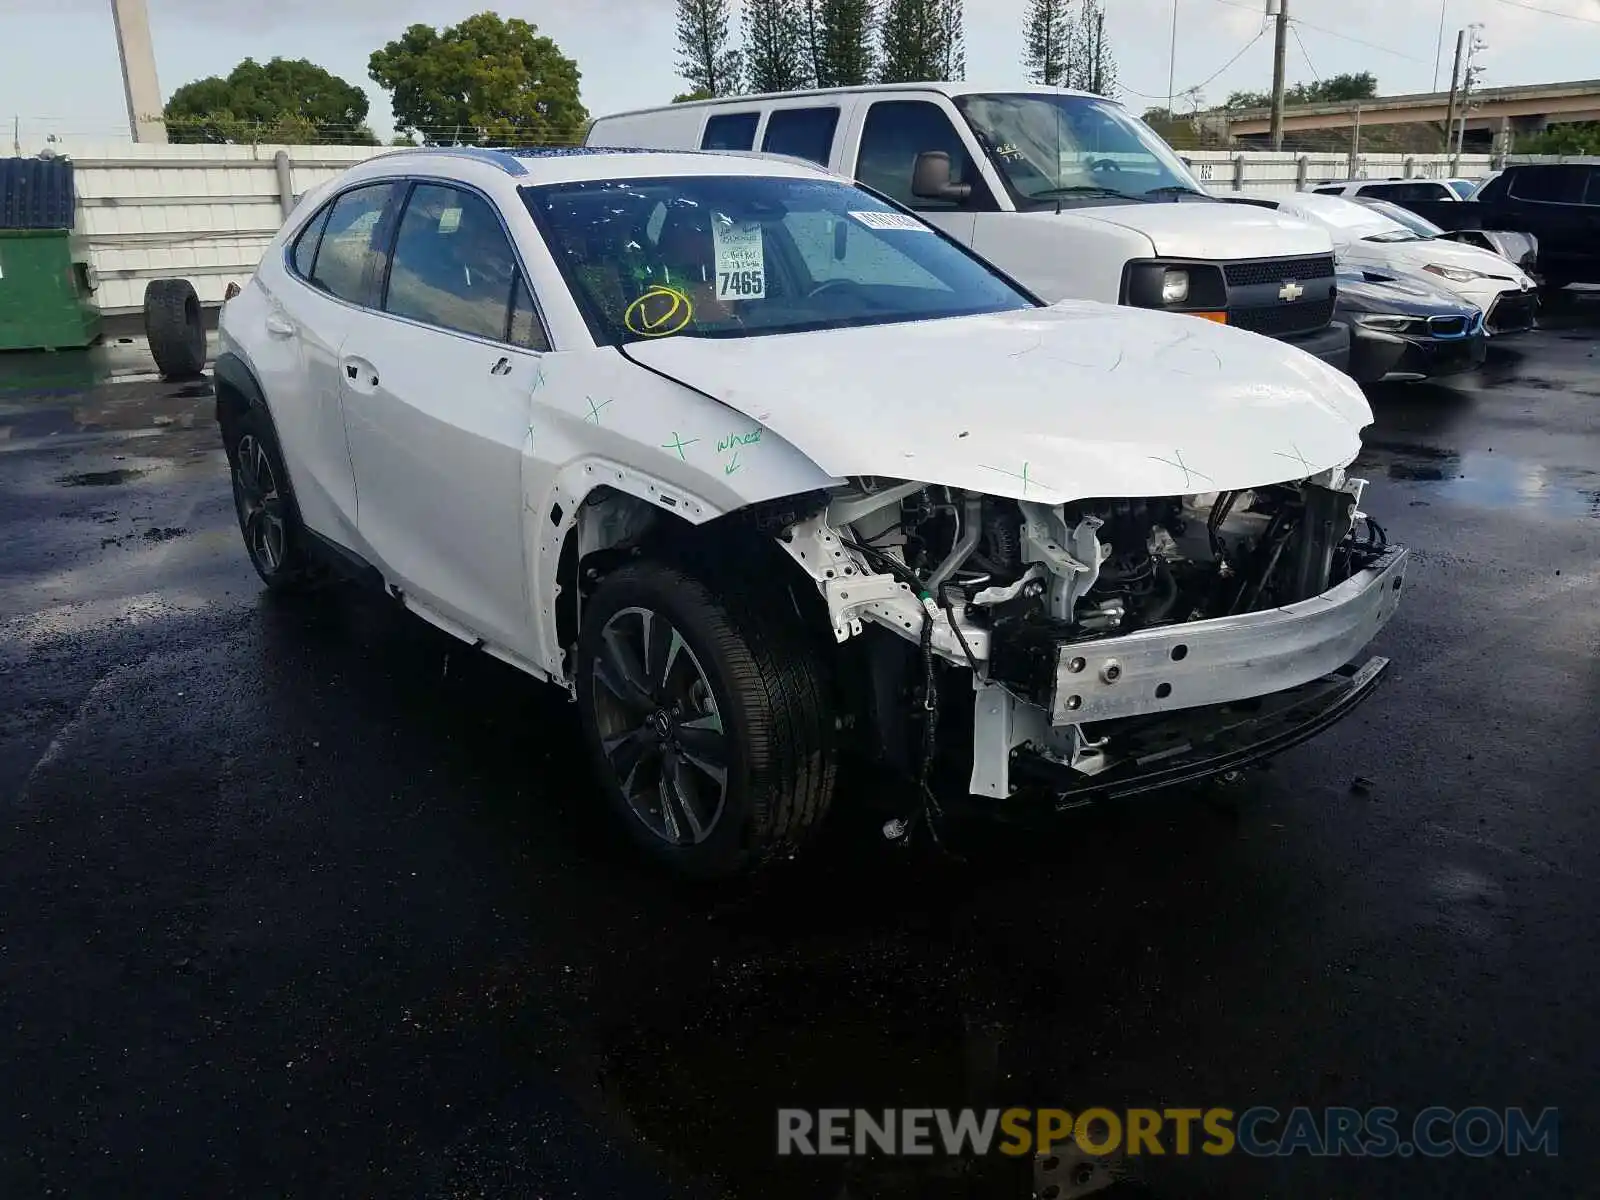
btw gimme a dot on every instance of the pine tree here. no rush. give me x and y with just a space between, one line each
774 49
1046 54
846 29
923 40
708 62
811 30
1093 67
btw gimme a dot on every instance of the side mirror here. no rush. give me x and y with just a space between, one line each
930 178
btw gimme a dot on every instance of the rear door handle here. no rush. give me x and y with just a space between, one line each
363 376
280 325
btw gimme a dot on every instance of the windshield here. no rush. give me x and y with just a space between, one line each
1052 148
741 256
1348 220
1420 226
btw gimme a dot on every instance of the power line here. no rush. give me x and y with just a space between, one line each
1207 79
1358 41
1303 53
1549 12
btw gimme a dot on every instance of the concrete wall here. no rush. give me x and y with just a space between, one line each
206 213
1268 172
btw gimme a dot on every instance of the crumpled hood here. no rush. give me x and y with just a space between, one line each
1052 404
1415 255
1209 231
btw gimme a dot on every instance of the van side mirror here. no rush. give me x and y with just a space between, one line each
930 178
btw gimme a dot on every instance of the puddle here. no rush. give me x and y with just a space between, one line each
103 478
1487 480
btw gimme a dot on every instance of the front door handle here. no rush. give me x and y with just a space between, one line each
503 367
279 325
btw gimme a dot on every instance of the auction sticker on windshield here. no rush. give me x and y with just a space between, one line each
890 220
741 261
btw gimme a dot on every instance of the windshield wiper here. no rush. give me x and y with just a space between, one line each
1082 189
1176 189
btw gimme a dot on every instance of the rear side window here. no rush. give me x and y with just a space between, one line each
802 132
453 264
1408 191
348 258
1553 185
731 131
305 248
1335 190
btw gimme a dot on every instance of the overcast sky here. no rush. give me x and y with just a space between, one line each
59 72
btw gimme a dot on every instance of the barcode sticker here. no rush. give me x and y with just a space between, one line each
890 220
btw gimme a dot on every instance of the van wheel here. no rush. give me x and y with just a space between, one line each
174 328
707 720
268 519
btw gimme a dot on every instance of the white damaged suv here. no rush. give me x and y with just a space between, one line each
766 472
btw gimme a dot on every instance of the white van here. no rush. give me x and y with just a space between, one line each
1068 192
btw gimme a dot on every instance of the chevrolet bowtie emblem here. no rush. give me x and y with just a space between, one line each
1291 291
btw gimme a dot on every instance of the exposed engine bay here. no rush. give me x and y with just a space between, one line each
1077 622
1102 567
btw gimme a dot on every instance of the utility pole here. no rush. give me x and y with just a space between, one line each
1280 49
139 85
1469 75
1172 61
1455 84
1438 46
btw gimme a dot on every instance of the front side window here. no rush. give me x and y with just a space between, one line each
731 131
744 256
453 264
1461 187
1551 185
1592 196
1057 149
895 132
802 132
348 260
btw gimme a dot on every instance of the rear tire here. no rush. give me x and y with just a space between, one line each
269 521
174 328
707 719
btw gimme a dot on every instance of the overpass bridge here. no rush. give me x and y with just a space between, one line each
1524 109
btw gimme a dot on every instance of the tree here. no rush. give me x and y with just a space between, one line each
708 63
774 48
483 81
1093 67
1046 52
290 101
1571 137
844 54
697 94
923 40
1333 90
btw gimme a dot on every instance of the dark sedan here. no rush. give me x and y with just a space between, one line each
1403 329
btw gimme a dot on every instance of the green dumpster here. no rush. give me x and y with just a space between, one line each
44 294
44 283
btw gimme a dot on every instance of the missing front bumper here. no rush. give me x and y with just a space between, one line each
1206 742
1200 663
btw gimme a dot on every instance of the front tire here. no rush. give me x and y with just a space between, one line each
268 520
707 720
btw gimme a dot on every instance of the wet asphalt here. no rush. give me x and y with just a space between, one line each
306 899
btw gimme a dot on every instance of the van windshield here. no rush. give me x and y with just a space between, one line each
1065 149
742 256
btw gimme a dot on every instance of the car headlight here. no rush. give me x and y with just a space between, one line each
1382 321
1459 274
1174 287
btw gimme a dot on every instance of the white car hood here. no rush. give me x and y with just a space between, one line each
1053 404
1454 254
1208 231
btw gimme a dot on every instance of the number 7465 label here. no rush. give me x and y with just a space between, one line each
741 261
